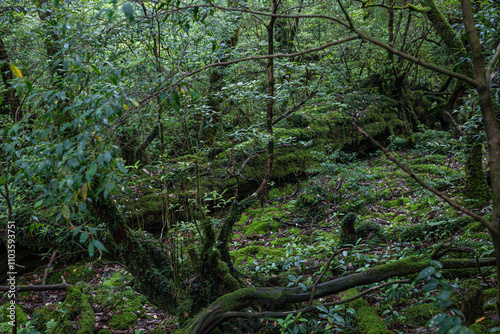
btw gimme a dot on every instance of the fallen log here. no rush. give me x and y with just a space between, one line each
224 308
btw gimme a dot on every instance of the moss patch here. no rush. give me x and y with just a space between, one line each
369 322
419 314
257 252
122 321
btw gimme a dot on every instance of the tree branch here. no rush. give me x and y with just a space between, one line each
492 63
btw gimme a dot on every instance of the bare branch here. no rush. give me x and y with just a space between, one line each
492 63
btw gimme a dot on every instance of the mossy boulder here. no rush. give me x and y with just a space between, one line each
126 299
125 320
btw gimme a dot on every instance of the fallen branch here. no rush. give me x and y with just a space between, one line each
226 306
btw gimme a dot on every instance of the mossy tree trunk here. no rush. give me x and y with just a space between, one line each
476 186
475 182
227 306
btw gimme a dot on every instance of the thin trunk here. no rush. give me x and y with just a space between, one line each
491 125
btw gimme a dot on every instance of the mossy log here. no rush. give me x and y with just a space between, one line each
226 306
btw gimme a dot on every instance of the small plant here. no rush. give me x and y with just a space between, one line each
337 318
443 321
292 324
295 281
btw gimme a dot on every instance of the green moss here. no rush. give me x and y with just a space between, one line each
475 227
75 310
419 314
257 252
21 317
266 220
369 322
126 299
261 227
126 320
479 328
472 305
243 219
73 274
355 304
490 293
119 278
105 331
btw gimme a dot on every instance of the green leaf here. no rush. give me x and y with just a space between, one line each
3 179
84 236
92 169
430 286
91 249
426 273
92 230
444 295
99 245
128 11
322 309
436 264
66 212
107 156
77 230
437 320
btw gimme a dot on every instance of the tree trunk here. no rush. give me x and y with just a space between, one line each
491 126
476 186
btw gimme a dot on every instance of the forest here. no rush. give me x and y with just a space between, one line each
280 166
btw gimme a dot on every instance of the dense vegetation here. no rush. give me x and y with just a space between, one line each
251 167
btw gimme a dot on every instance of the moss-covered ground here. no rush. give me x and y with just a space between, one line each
285 240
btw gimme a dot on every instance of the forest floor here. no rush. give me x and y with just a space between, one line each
287 241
